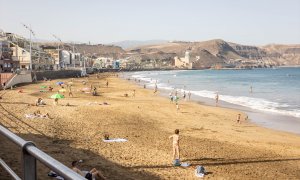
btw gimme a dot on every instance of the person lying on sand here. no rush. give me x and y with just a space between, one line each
39 114
176 150
90 175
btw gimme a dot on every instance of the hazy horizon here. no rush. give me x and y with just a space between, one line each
104 22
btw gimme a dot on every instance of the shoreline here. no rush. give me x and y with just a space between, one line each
210 135
256 117
259 117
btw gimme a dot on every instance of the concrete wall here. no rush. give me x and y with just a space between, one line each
18 79
57 74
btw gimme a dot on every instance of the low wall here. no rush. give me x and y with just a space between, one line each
18 79
57 74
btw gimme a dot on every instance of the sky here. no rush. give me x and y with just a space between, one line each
252 22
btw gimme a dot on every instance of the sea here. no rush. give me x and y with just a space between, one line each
270 97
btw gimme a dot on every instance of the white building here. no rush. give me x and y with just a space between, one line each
103 62
183 62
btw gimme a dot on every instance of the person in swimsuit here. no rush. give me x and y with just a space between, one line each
176 150
90 175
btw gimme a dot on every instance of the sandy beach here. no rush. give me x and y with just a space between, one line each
209 135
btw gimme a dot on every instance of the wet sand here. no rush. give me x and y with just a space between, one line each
210 136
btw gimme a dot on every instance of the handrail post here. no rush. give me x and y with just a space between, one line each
28 163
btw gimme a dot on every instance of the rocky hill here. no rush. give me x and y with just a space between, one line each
132 43
219 51
100 50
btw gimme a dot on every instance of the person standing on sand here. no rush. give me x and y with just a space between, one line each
238 118
176 149
90 175
189 94
56 101
106 83
133 93
177 106
171 97
184 95
70 90
217 98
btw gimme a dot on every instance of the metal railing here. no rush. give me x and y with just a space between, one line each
30 153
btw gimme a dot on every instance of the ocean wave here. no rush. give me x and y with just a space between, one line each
253 103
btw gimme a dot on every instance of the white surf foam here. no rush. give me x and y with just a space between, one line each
253 103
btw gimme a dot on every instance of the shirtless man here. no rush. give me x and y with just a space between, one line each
90 175
70 90
175 137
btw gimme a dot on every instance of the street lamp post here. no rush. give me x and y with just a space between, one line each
30 44
57 38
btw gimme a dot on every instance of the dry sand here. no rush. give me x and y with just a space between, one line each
210 136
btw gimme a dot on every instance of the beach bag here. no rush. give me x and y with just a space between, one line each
176 162
200 171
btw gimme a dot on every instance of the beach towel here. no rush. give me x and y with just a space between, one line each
115 140
200 171
92 103
30 116
185 164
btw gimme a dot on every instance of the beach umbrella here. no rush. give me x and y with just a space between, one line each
62 90
59 83
43 87
58 96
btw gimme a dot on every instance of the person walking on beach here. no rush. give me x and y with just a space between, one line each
90 175
70 90
184 95
106 83
175 143
133 93
217 98
189 94
177 106
238 118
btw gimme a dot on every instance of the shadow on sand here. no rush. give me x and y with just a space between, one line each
62 150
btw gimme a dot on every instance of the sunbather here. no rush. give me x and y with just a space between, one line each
90 175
